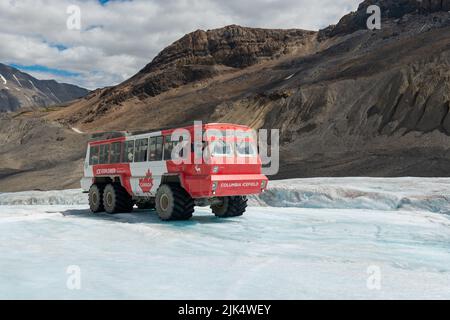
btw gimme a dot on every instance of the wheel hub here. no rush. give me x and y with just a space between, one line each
164 202
109 199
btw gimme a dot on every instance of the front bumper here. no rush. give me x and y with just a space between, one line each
226 185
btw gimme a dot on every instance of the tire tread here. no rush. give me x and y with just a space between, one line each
236 207
183 207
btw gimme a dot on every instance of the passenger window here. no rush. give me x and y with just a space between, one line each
141 150
116 150
156 149
104 154
168 147
129 151
159 148
93 156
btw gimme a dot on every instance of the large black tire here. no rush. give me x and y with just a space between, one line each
230 207
174 203
96 198
116 199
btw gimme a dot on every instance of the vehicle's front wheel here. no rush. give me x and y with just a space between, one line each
116 199
96 198
173 203
230 207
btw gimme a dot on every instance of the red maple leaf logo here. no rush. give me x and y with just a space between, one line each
146 183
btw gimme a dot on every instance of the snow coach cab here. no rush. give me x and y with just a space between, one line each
172 171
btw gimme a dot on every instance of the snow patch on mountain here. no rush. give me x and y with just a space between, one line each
17 80
76 130
32 83
53 95
3 79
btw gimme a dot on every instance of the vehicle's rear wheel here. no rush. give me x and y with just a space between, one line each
174 203
96 198
230 207
116 199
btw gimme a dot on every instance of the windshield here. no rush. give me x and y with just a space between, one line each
245 148
239 143
220 148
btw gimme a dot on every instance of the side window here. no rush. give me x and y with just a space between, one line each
159 148
141 150
104 154
168 147
116 149
93 156
129 151
155 150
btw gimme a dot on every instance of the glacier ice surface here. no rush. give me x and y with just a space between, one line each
302 239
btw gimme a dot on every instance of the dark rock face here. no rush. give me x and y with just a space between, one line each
204 54
390 9
8 102
18 89
434 5
232 46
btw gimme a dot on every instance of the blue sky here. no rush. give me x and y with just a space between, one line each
118 38
44 69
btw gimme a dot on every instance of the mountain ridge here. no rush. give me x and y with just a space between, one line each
390 9
20 90
202 55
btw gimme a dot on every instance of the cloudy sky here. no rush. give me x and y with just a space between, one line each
118 37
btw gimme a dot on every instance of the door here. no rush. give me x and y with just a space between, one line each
148 166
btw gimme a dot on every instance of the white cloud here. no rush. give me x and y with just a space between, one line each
121 37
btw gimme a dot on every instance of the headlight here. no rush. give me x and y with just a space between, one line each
214 186
216 169
263 184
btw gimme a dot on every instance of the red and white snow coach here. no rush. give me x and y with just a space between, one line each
215 165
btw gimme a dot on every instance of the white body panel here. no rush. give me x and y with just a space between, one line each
140 172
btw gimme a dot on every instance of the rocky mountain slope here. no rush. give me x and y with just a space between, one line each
348 101
20 90
390 9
